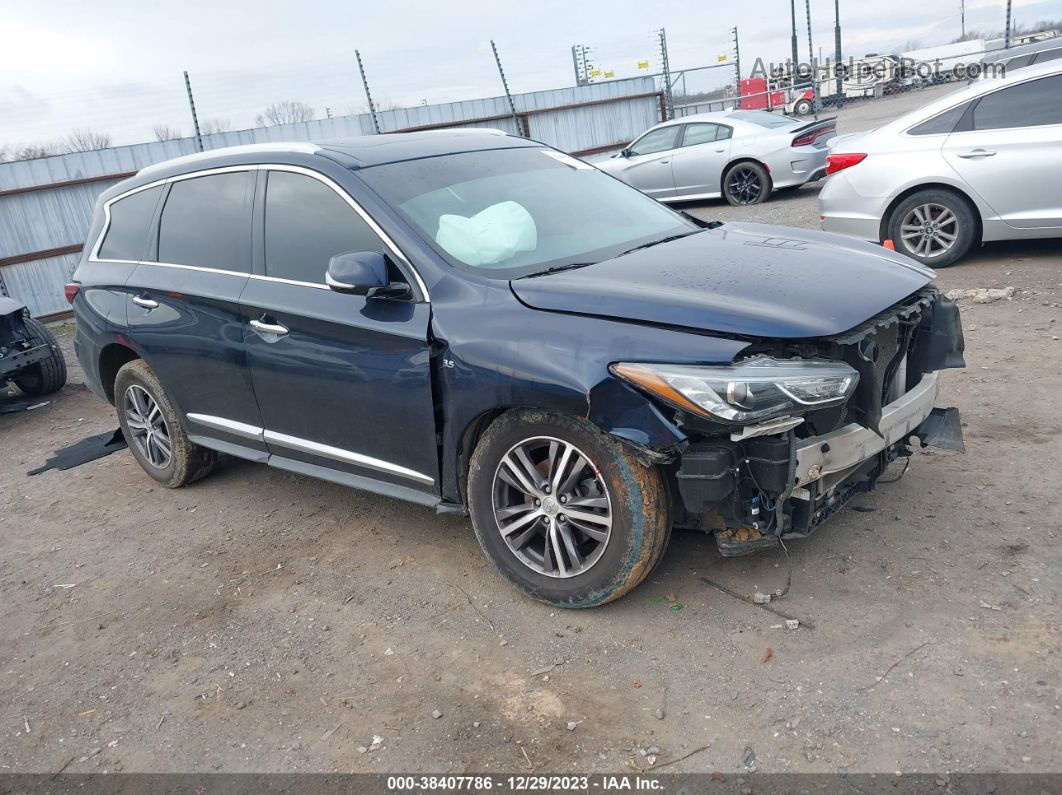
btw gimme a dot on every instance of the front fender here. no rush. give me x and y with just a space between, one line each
503 355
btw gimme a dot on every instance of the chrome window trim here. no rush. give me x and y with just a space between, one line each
305 446
375 227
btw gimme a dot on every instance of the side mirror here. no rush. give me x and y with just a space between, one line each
363 273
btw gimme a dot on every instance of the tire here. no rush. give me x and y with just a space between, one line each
632 495
46 376
934 206
746 183
803 107
187 462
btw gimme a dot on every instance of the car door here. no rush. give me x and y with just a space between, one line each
648 162
343 381
184 314
1010 152
702 154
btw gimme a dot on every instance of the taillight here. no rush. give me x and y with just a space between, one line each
808 138
835 163
70 290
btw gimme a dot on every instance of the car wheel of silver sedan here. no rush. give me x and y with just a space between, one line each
746 183
565 511
935 227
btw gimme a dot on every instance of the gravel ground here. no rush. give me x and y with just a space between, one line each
262 621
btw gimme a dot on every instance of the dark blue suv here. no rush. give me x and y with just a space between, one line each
477 322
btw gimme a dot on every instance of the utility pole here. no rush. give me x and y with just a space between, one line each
837 51
505 84
796 58
737 63
1006 38
669 99
368 96
195 119
962 16
575 65
811 64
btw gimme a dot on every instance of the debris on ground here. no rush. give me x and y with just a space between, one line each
792 623
767 655
981 295
436 714
761 598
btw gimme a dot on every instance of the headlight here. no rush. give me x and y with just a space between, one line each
756 389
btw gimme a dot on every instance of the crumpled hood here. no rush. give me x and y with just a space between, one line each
755 280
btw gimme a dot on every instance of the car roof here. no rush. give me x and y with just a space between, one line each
356 152
975 89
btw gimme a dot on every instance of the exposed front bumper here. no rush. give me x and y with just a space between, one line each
842 450
17 360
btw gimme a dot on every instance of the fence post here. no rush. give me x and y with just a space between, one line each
669 99
737 62
195 119
368 96
505 85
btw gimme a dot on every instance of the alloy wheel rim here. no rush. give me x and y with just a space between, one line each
552 507
929 230
744 185
151 434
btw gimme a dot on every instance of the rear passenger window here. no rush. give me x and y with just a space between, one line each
306 224
942 123
207 222
1031 104
127 233
702 133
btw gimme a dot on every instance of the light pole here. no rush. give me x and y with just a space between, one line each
1006 38
792 14
837 51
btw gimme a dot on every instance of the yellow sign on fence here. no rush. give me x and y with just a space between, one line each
643 64
722 58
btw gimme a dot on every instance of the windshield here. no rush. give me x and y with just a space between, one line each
508 213
762 118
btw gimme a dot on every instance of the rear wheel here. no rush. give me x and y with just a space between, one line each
564 511
153 431
935 227
746 183
45 376
803 107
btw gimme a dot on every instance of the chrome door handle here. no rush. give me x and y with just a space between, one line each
269 328
147 303
975 153
664 162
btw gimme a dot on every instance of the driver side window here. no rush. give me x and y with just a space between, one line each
306 224
659 140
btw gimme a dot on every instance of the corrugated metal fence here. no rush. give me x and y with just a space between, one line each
46 204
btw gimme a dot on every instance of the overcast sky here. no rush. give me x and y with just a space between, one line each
115 66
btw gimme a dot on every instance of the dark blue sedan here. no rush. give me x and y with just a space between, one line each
480 323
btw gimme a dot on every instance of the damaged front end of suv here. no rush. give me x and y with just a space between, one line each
784 437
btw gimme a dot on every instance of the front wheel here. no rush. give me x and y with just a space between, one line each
935 227
746 183
564 511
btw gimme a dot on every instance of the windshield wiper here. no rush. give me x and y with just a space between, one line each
557 269
667 239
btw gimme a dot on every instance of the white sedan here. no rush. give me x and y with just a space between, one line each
983 163
741 155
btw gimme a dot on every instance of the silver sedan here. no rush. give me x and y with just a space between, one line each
741 155
983 163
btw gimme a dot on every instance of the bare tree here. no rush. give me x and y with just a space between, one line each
33 151
6 152
164 132
211 126
85 140
286 112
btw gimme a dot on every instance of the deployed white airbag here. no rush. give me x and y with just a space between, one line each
490 236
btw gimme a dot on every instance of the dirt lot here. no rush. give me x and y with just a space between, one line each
262 621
